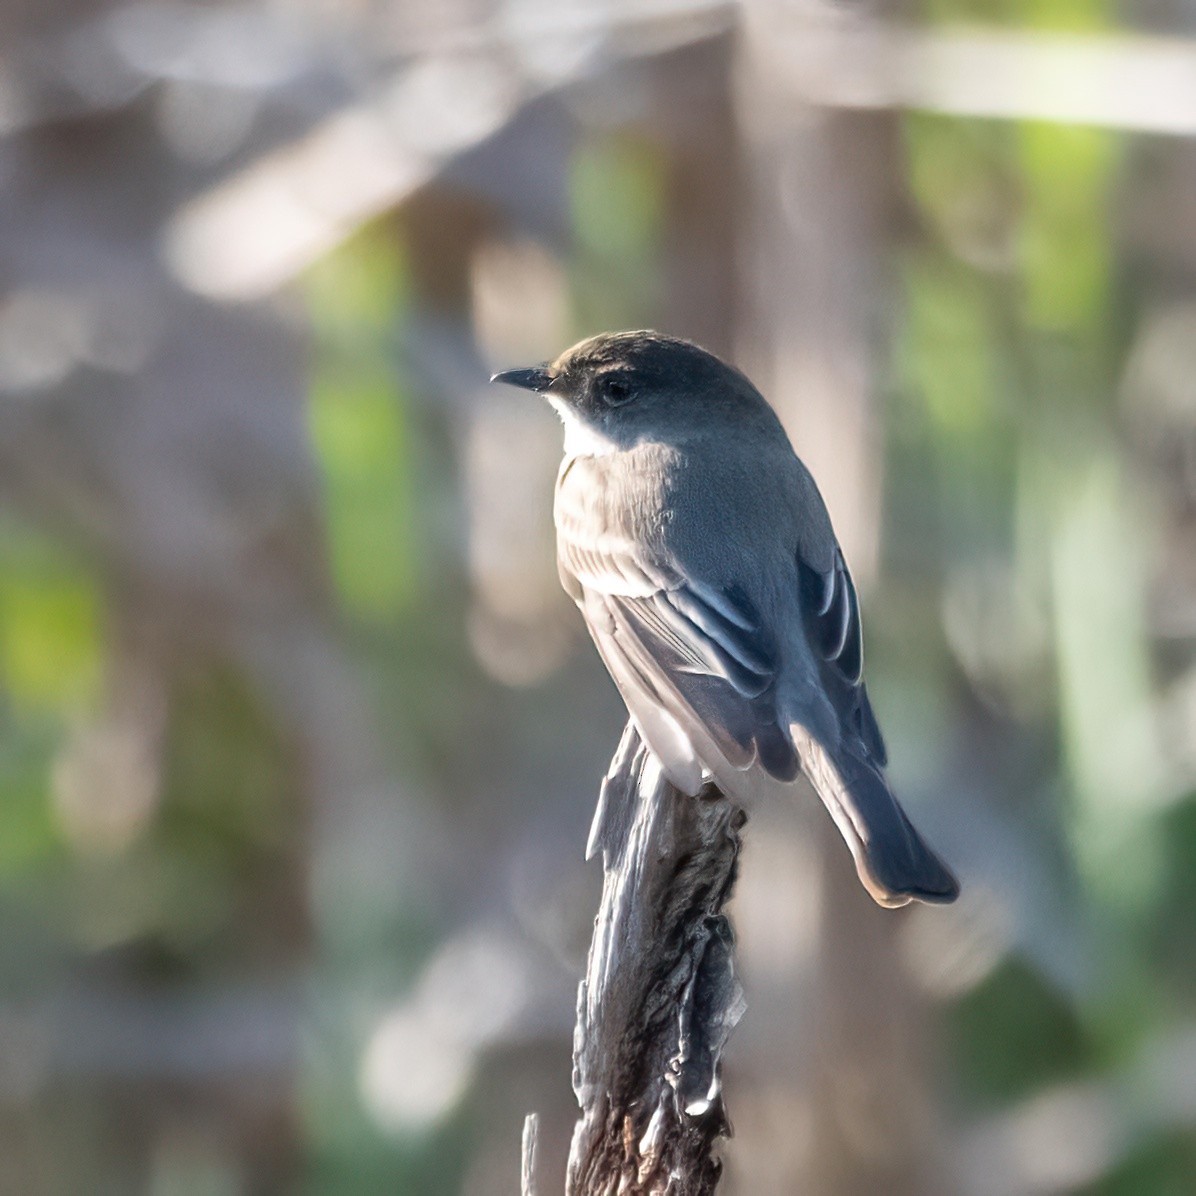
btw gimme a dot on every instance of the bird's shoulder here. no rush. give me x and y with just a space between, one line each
752 496
714 496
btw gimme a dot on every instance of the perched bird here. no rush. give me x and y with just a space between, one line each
701 555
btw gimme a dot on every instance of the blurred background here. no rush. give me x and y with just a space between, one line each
299 739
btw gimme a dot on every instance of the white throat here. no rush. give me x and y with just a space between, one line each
583 439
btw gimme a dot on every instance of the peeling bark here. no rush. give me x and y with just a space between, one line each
660 996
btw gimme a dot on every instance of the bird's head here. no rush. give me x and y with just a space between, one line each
619 389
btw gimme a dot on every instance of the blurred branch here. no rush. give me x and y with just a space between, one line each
374 154
1146 84
260 227
660 996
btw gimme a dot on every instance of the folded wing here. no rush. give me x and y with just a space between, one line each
694 662
703 677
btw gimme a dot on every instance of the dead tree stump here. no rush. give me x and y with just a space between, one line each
660 995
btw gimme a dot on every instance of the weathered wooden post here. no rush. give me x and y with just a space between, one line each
660 995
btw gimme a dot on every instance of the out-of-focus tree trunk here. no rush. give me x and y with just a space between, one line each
692 109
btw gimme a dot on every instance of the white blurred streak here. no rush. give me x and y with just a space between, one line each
1129 82
1146 84
948 951
443 105
254 232
421 1057
105 788
477 987
1055 1142
262 227
554 52
553 41
106 781
1119 82
412 1075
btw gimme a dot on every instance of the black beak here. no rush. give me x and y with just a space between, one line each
537 378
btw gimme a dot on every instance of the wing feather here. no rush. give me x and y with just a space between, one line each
699 653
831 611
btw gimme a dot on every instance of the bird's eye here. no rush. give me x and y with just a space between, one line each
616 390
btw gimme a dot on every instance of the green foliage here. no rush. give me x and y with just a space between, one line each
349 1156
29 838
358 429
185 893
51 659
1171 927
1048 16
1007 371
617 189
1162 1166
225 777
360 424
1014 1034
1070 16
1064 247
50 624
617 193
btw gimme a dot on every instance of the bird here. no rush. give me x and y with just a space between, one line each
701 555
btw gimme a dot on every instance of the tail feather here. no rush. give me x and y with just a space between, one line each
893 861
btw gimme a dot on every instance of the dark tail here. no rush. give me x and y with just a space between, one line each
893 861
